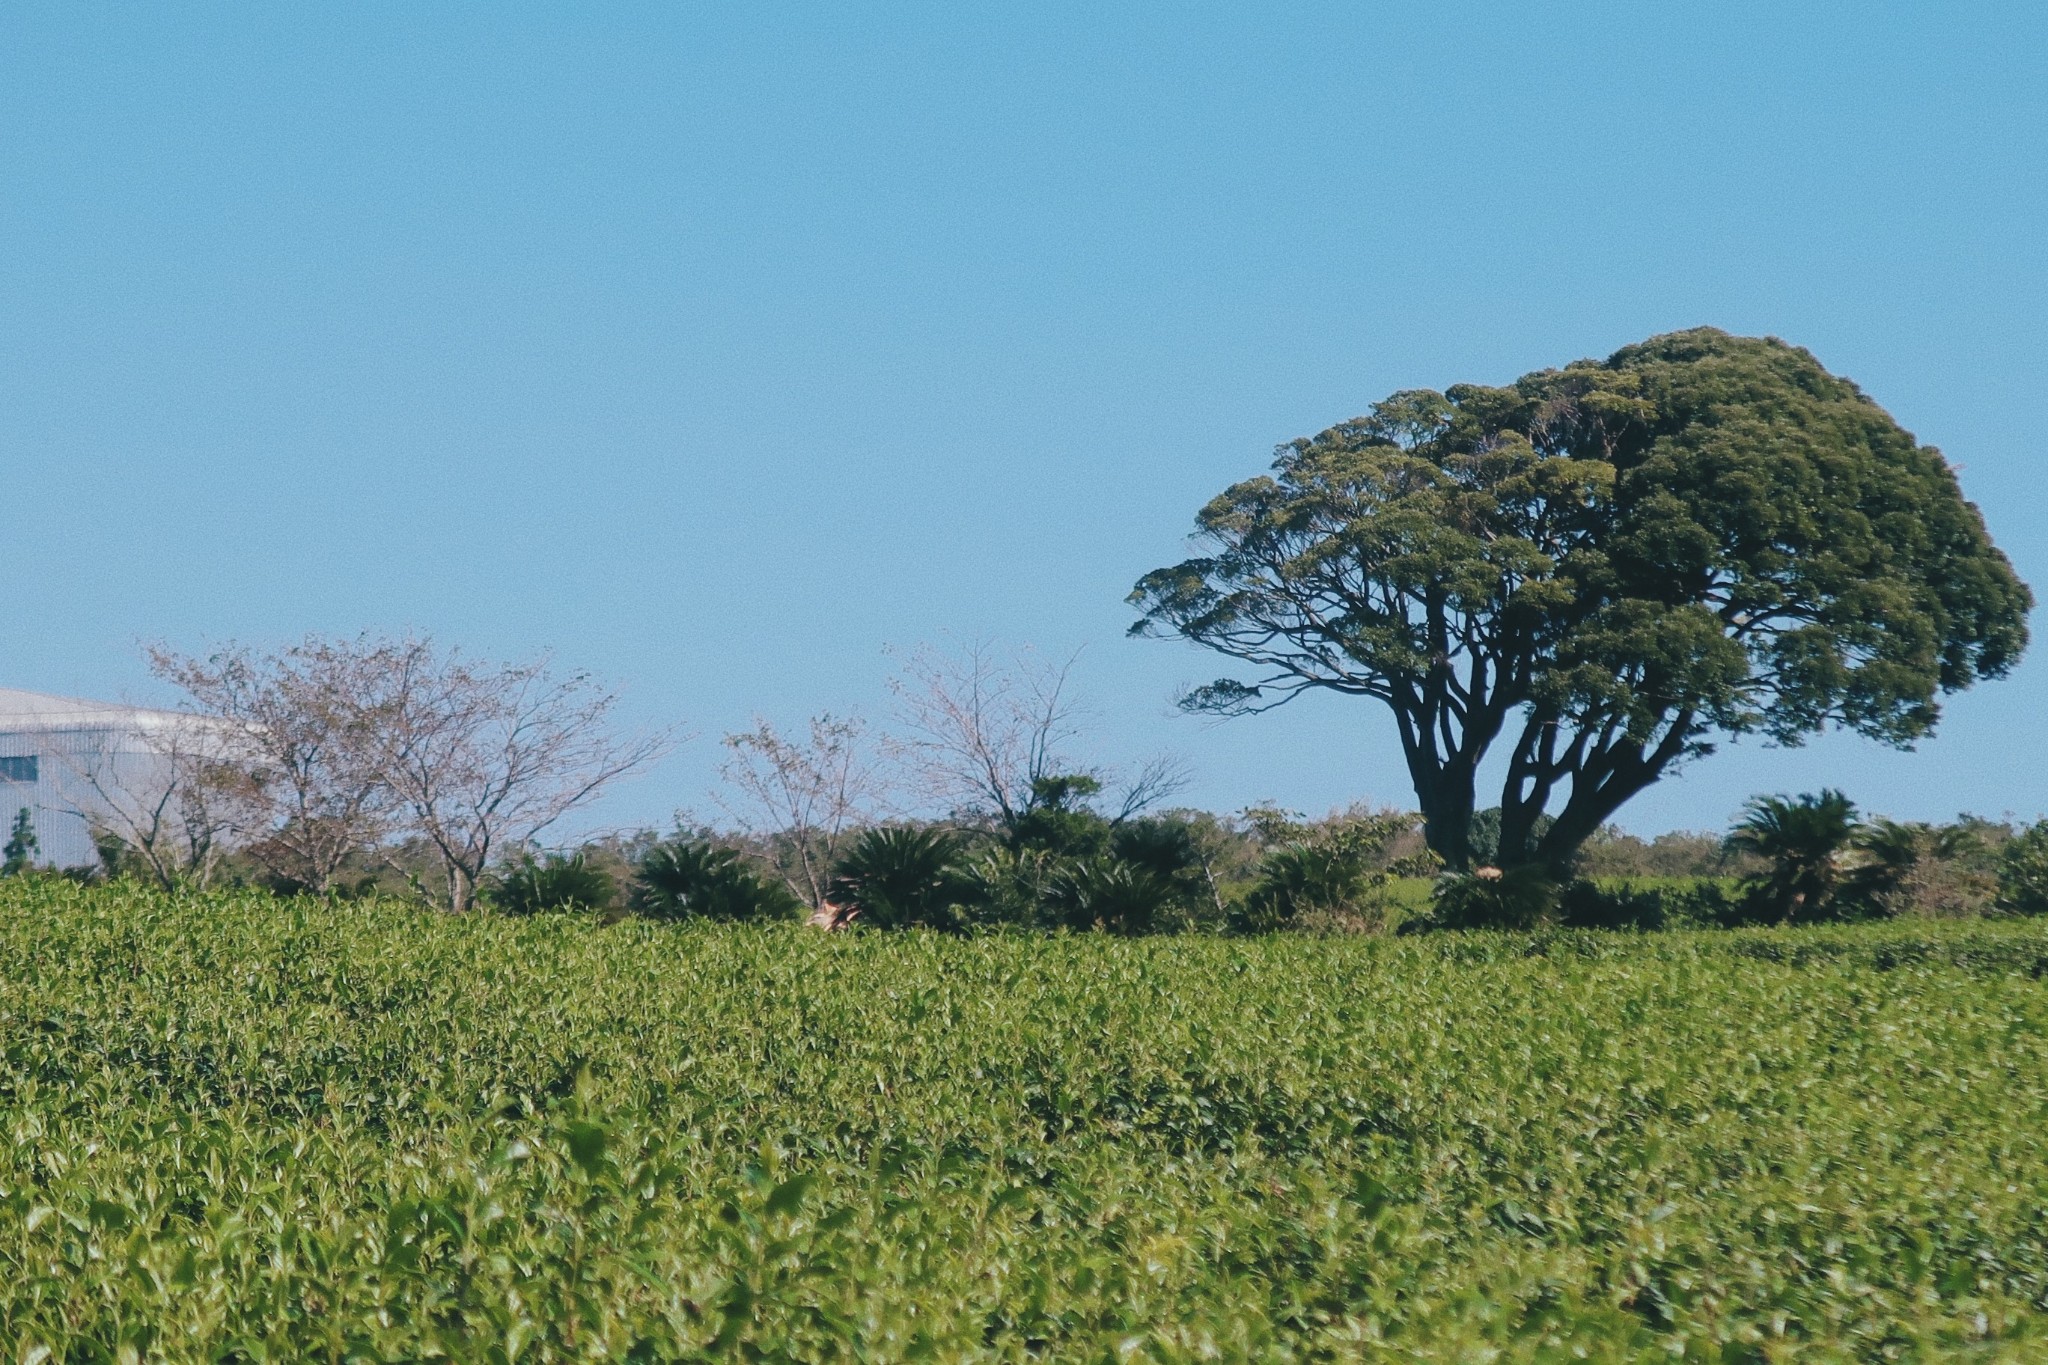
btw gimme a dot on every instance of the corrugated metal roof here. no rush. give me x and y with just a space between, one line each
32 711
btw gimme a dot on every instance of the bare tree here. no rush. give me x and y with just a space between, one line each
1156 780
987 733
298 778
483 757
156 789
802 796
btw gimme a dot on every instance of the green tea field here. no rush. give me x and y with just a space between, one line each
244 1129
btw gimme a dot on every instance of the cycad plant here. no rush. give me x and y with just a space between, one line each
532 885
1297 879
693 879
1109 894
2023 872
1889 856
1006 887
895 877
1333 868
1803 840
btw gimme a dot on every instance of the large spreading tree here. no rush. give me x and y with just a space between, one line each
1604 568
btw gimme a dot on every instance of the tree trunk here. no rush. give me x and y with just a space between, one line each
1446 801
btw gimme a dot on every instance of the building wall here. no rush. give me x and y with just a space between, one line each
64 800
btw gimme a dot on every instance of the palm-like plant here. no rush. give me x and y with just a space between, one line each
1005 886
1298 878
690 879
900 878
1802 839
532 885
1889 853
2023 871
1109 894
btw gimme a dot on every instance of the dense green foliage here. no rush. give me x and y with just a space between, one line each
1327 872
2023 871
898 877
686 878
552 882
1603 568
1520 897
242 1128
1801 840
1059 864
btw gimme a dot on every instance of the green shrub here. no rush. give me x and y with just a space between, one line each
1492 898
1298 880
1802 840
1645 903
1585 904
1332 870
895 877
2023 872
1698 902
1109 894
554 882
694 879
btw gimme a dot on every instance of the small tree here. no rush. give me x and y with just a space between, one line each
802 797
155 799
482 756
20 850
990 737
983 732
1802 841
298 773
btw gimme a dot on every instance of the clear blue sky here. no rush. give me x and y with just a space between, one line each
717 347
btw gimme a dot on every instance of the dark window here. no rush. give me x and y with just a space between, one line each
18 769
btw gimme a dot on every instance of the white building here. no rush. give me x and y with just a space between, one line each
77 766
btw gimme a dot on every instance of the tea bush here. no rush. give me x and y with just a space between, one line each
246 1129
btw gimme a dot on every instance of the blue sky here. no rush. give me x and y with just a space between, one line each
718 348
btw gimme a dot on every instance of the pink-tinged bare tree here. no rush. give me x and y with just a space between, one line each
802 796
483 757
991 735
157 791
297 777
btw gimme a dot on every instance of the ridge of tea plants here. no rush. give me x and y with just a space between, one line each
241 1127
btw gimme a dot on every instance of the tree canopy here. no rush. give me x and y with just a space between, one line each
1605 567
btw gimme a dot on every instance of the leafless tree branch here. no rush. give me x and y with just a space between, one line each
298 776
485 757
802 796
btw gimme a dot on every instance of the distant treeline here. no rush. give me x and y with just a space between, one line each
393 767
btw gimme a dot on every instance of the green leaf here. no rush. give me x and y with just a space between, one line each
788 1197
587 1145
